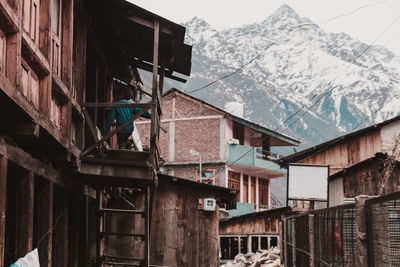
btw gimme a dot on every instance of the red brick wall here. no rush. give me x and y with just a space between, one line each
202 135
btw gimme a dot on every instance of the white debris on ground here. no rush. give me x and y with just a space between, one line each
263 258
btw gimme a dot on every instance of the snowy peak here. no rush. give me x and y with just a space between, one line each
198 30
302 65
284 12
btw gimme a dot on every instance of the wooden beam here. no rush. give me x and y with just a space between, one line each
149 67
119 128
27 129
24 160
91 126
148 24
3 205
117 105
25 198
154 114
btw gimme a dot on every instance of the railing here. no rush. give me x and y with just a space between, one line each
366 233
248 156
267 155
321 238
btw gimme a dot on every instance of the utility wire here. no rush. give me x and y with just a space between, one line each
275 42
326 92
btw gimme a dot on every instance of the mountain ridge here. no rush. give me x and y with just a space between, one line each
300 64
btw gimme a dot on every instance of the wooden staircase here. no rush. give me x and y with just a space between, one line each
123 226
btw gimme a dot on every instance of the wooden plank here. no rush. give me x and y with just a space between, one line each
67 41
119 128
153 129
147 228
3 205
23 159
25 198
90 124
148 24
118 105
44 225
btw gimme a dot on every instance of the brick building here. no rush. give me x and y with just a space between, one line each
235 152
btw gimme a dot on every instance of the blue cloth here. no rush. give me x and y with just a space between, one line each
121 115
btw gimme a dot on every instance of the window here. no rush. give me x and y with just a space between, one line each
55 17
56 36
253 190
245 190
207 176
30 84
229 247
263 192
238 132
55 113
254 244
234 181
30 18
3 50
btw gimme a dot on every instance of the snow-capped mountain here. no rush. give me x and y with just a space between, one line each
298 65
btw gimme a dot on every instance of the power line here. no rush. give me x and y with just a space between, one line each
326 92
275 42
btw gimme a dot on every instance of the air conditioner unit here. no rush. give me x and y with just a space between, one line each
232 141
207 204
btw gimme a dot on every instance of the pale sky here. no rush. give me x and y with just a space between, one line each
365 19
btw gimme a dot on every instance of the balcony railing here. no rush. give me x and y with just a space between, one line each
267 155
251 157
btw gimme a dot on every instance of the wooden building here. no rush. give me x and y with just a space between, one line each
250 232
357 161
183 234
59 62
235 152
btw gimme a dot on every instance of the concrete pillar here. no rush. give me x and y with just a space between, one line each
241 188
257 195
249 189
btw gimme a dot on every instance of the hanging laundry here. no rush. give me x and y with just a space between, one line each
30 260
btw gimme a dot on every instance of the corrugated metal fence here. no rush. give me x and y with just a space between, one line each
328 237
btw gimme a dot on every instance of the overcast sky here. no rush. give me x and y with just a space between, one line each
363 19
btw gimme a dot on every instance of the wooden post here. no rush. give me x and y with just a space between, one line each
294 241
280 239
361 231
3 205
154 108
147 227
285 239
45 223
24 233
311 238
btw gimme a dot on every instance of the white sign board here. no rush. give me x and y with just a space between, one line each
308 182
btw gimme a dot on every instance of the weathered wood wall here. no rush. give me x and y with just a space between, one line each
259 224
347 152
181 234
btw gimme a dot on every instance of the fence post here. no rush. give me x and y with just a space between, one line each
285 240
294 241
280 237
361 230
311 238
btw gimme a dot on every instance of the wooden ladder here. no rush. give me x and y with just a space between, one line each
109 235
